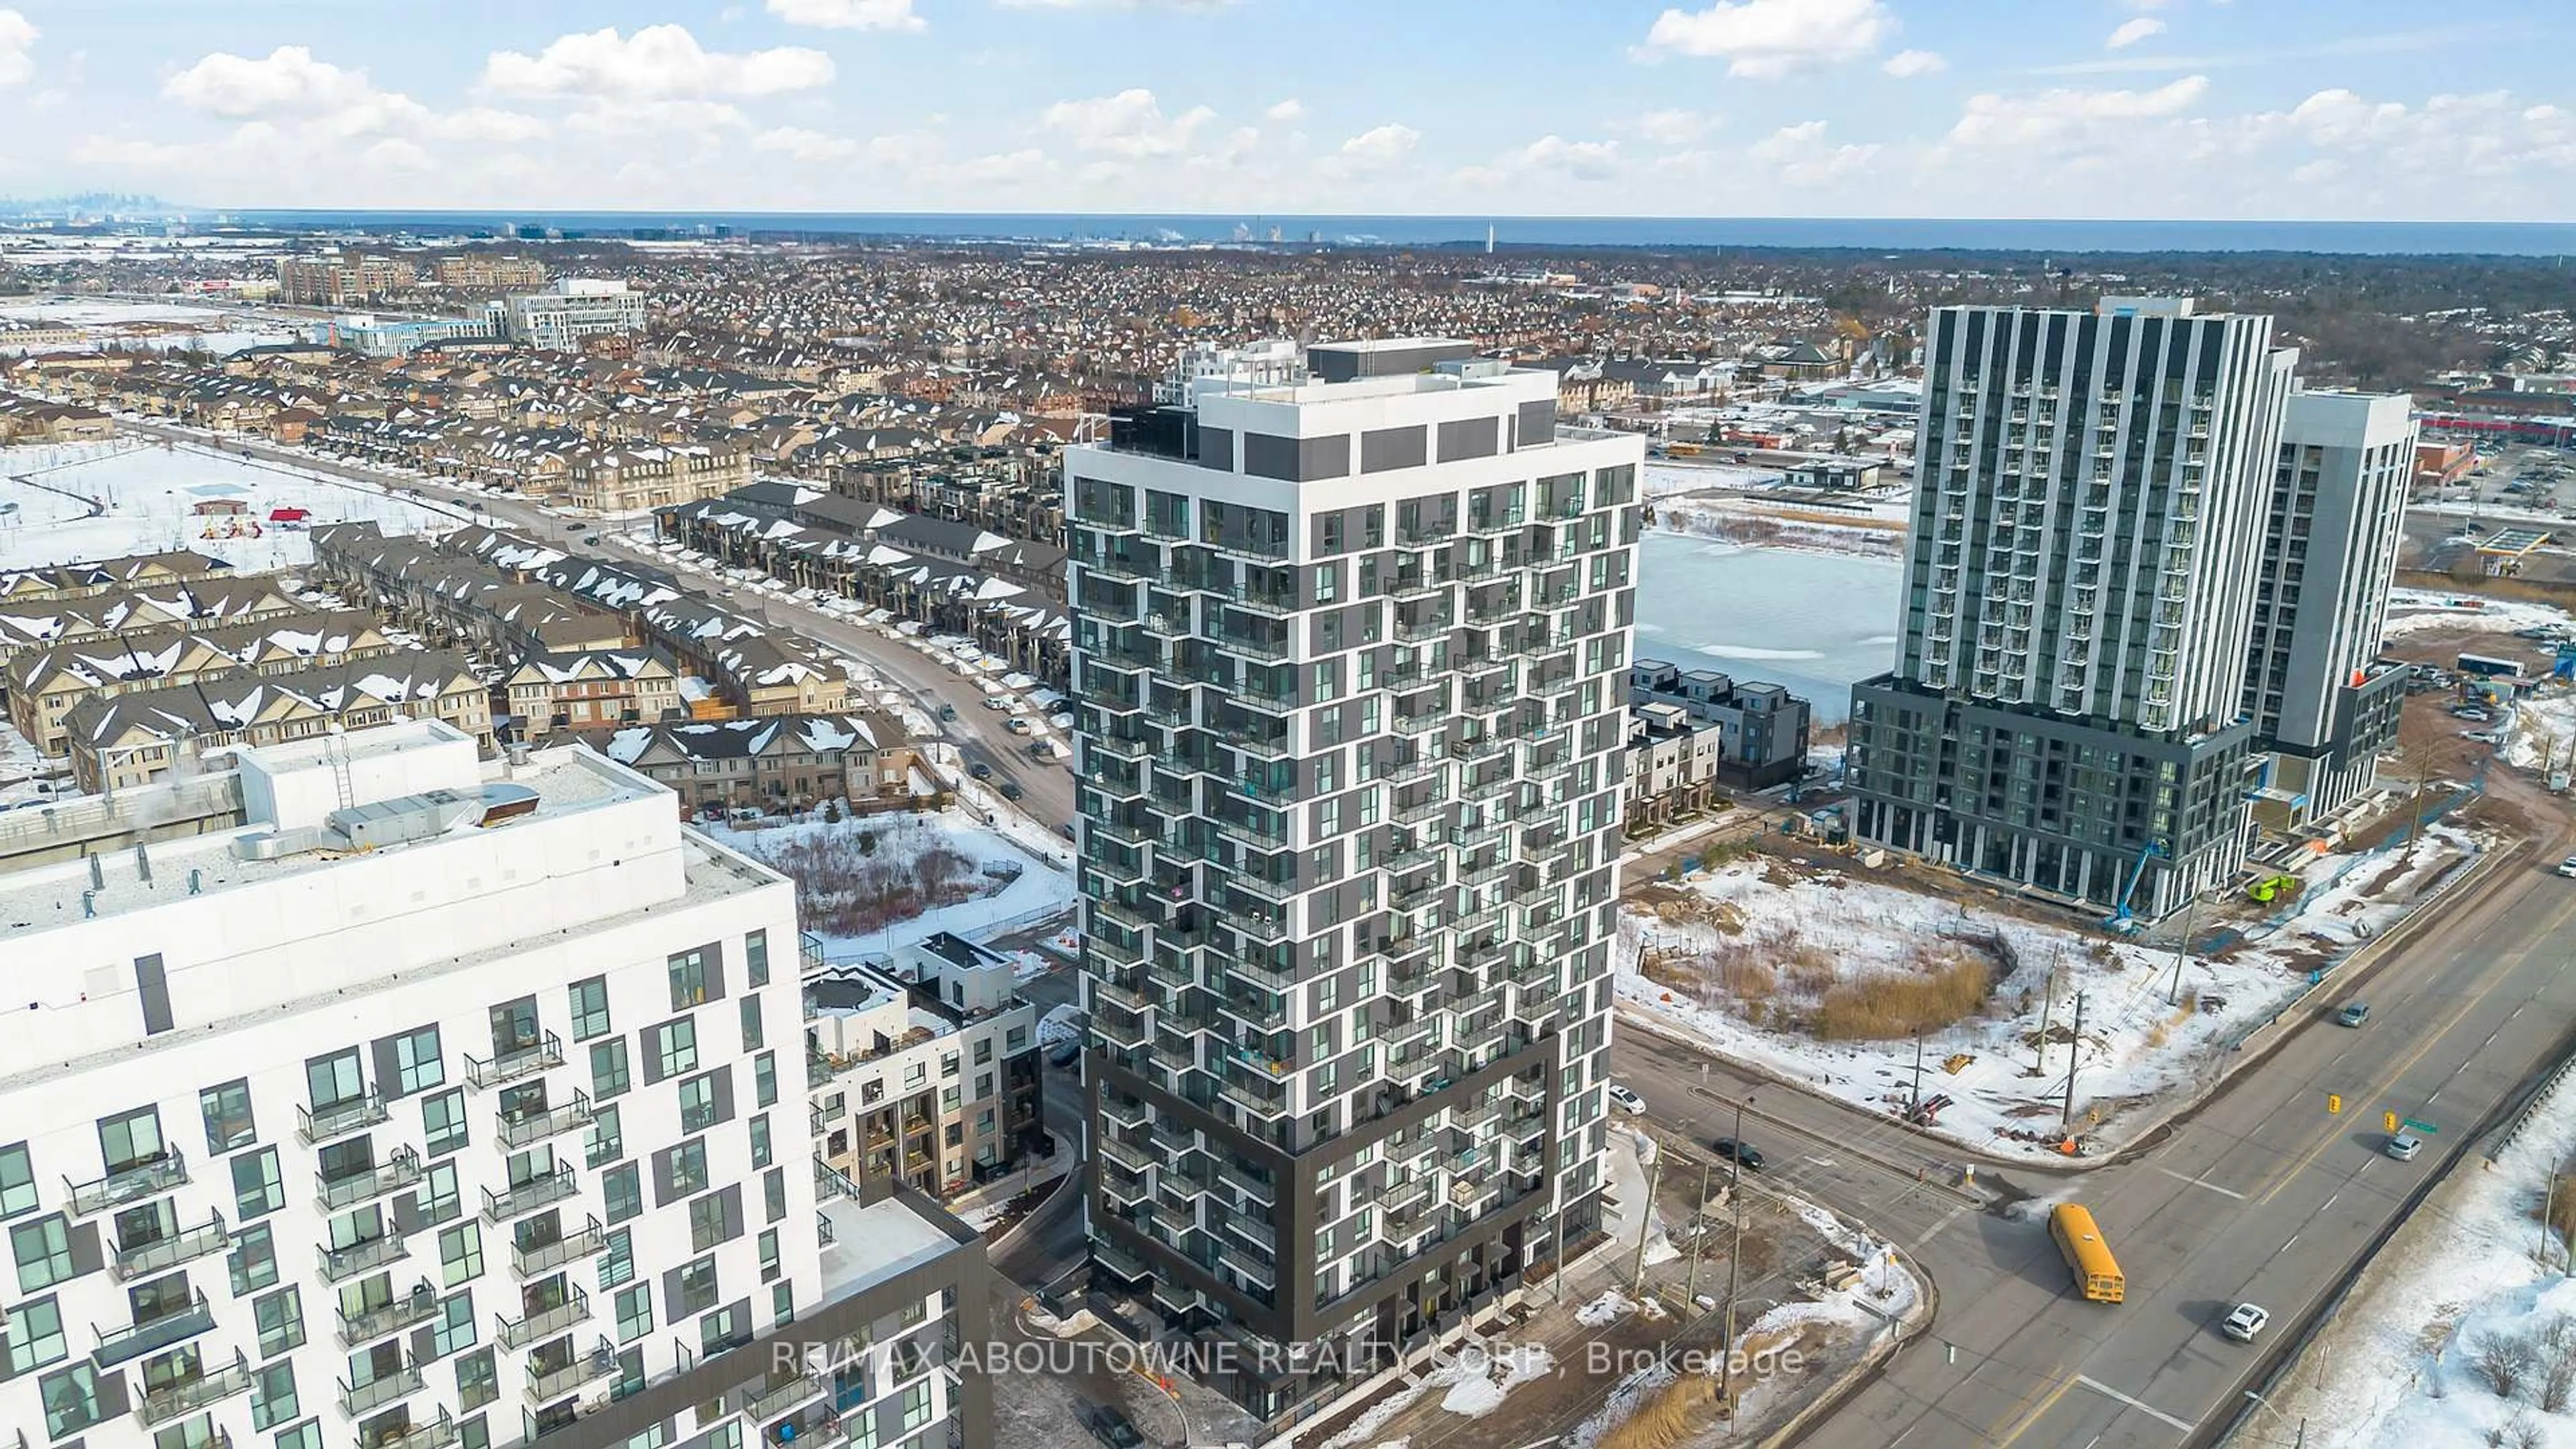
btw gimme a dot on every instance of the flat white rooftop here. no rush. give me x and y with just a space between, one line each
874 1243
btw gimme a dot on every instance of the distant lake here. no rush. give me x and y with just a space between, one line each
1811 621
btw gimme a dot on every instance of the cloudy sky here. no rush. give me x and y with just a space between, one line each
1978 108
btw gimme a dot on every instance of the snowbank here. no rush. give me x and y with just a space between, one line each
1034 890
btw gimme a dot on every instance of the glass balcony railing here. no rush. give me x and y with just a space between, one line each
546 1323
527 1197
520 1131
402 1170
135 1340
187 1396
130 1184
317 1125
356 1399
416 1307
159 1255
342 1264
511 1066
538 1259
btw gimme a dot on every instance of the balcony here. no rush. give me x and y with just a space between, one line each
545 1323
162 1254
342 1264
317 1125
1271 650
777 1401
510 1066
129 1184
533 1127
187 1396
135 1340
1275 603
439 1435
416 1307
597 1364
527 1197
400 1171
376 1393
544 1258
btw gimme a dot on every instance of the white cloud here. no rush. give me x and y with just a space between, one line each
1582 160
799 144
2145 27
287 80
2054 116
1675 127
1766 38
1007 168
17 45
702 121
849 14
1130 123
1287 112
1802 156
1908 63
655 63
1115 4
1378 148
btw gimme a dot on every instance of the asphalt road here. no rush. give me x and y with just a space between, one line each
2261 1195
1047 790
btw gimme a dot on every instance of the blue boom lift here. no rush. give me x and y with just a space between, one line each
2120 919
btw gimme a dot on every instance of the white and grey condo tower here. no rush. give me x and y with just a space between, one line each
1349 652
2067 708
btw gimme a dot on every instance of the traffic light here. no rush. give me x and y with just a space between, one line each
2334 1103
2390 1121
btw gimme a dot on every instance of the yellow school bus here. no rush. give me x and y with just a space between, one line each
2097 1273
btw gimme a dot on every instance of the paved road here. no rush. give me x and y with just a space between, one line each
977 732
2261 1195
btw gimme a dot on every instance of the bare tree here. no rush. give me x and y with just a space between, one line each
2420 737
2504 1360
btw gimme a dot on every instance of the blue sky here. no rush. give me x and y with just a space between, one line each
2084 108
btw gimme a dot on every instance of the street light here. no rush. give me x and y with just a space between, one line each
2266 1405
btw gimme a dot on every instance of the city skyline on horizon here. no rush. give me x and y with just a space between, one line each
1912 109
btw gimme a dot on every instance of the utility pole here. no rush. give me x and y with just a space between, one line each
2048 998
1560 1258
1646 1221
2074 1059
2548 1218
2182 950
1699 1235
1734 1266
1916 1105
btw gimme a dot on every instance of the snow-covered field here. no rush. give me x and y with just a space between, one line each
151 324
2418 611
2399 1366
1744 959
149 494
1039 888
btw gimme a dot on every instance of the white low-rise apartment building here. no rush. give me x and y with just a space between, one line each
420 1102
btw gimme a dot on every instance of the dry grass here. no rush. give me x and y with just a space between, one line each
1776 978
850 882
1681 1409
1939 986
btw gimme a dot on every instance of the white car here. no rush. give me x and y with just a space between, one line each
2245 1322
1626 1100
2567 867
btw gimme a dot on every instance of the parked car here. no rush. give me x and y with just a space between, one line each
2245 1322
980 770
2353 1014
1742 1154
1011 790
2404 1145
1111 1428
1626 1100
2567 867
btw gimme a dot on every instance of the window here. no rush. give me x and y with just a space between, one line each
755 955
253 1260
280 1316
453 1329
442 1121
70 1397
417 1066
916 1406
698 1103
706 1222
675 1046
17 1181
760 1141
35 1335
768 1253
272 1394
258 1187
697 1289
43 1250
607 1141
752 1039
773 1191
514 1026
589 1008
608 1073
227 1113
689 979
782 1303
439 1200
460 1253
334 1080
688 1167
477 1383
721 1329
622 1188
131 1139
634 1312
983 1051
764 1079
617 1265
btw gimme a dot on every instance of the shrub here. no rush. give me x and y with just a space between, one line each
2504 1360
1892 1004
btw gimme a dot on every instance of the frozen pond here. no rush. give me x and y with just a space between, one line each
1814 622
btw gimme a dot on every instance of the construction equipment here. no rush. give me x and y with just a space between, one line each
2270 888
2121 919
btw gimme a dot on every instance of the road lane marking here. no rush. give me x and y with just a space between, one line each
1936 1229
2202 1182
2330 1202
2043 1406
2160 1416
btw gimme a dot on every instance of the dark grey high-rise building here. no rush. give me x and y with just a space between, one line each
2088 529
